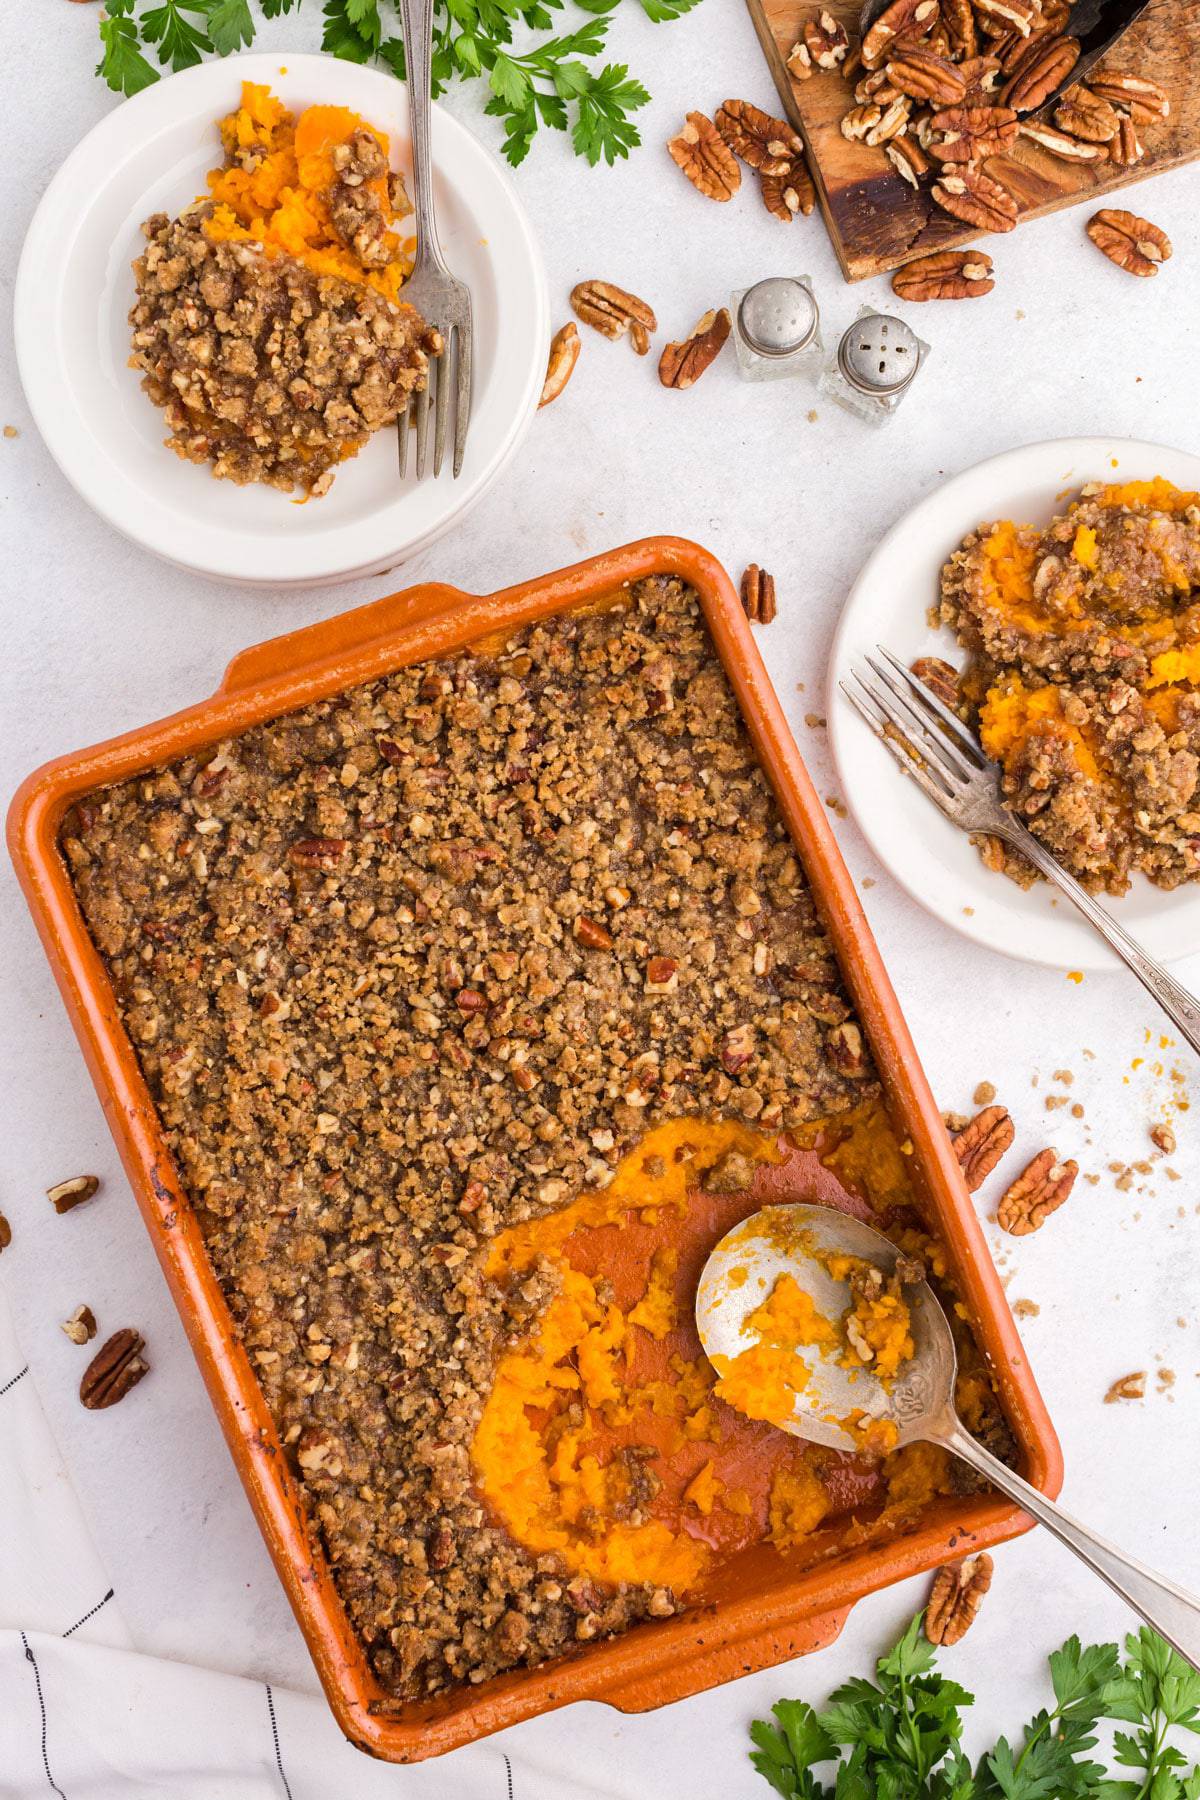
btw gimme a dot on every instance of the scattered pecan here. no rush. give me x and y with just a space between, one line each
963 134
737 1049
1163 1138
786 195
826 41
662 975
1140 97
845 1047
1086 115
917 72
591 935
904 21
318 852
1038 1191
758 595
1126 148
1129 1387
115 1368
939 676
1061 143
564 354
682 364
998 16
975 198
945 275
799 61
705 158
66 1195
81 1326
908 159
1134 244
764 142
5 1233
981 1143
1042 67
958 21
613 312
955 1598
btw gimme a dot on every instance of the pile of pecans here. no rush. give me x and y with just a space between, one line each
941 85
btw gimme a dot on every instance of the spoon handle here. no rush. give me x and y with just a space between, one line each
1171 1610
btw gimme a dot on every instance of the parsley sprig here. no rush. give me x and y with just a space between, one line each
899 1737
550 80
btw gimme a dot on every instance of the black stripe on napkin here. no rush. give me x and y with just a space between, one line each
508 1772
89 1615
37 1679
275 1735
17 1377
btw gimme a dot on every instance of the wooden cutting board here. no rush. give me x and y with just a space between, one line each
876 220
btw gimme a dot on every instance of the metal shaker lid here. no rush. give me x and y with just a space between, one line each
879 354
778 316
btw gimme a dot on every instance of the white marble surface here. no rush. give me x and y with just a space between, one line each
98 638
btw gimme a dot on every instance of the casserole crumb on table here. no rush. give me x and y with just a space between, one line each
475 1003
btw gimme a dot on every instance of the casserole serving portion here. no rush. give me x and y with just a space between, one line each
454 978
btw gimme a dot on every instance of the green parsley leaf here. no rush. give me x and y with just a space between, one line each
602 127
122 64
230 25
176 40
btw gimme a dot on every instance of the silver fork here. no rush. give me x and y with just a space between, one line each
441 299
933 746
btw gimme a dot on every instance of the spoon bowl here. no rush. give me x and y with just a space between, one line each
798 1239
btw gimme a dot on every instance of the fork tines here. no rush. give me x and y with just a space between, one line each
922 735
456 349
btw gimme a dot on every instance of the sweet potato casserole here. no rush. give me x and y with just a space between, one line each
477 1003
1083 673
268 323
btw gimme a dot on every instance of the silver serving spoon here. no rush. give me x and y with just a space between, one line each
1096 23
920 1401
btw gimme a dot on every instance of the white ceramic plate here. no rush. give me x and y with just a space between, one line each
74 289
929 857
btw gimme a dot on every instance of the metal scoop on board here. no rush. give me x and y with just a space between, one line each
797 1240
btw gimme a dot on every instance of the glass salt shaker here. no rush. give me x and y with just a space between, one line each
777 329
874 365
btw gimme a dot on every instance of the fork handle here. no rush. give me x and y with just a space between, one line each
416 22
1181 1008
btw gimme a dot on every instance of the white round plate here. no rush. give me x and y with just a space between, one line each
74 290
929 857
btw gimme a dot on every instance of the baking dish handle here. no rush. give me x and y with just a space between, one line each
707 1665
339 636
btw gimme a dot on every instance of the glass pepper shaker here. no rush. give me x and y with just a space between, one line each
777 329
874 365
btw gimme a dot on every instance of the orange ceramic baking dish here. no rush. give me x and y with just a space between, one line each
760 1612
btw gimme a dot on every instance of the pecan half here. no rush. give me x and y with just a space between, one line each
705 158
786 195
799 61
81 1326
958 21
826 41
908 159
591 935
1126 148
758 595
955 1598
945 275
1134 244
939 676
963 134
1129 1387
998 16
64 1196
764 142
1144 100
682 364
5 1233
564 354
1037 1192
982 76
981 1143
893 121
1041 67
115 1368
916 71
1061 143
318 852
613 312
975 198
1086 115
903 20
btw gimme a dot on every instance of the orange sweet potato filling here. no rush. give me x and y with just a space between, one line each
614 1362
281 202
